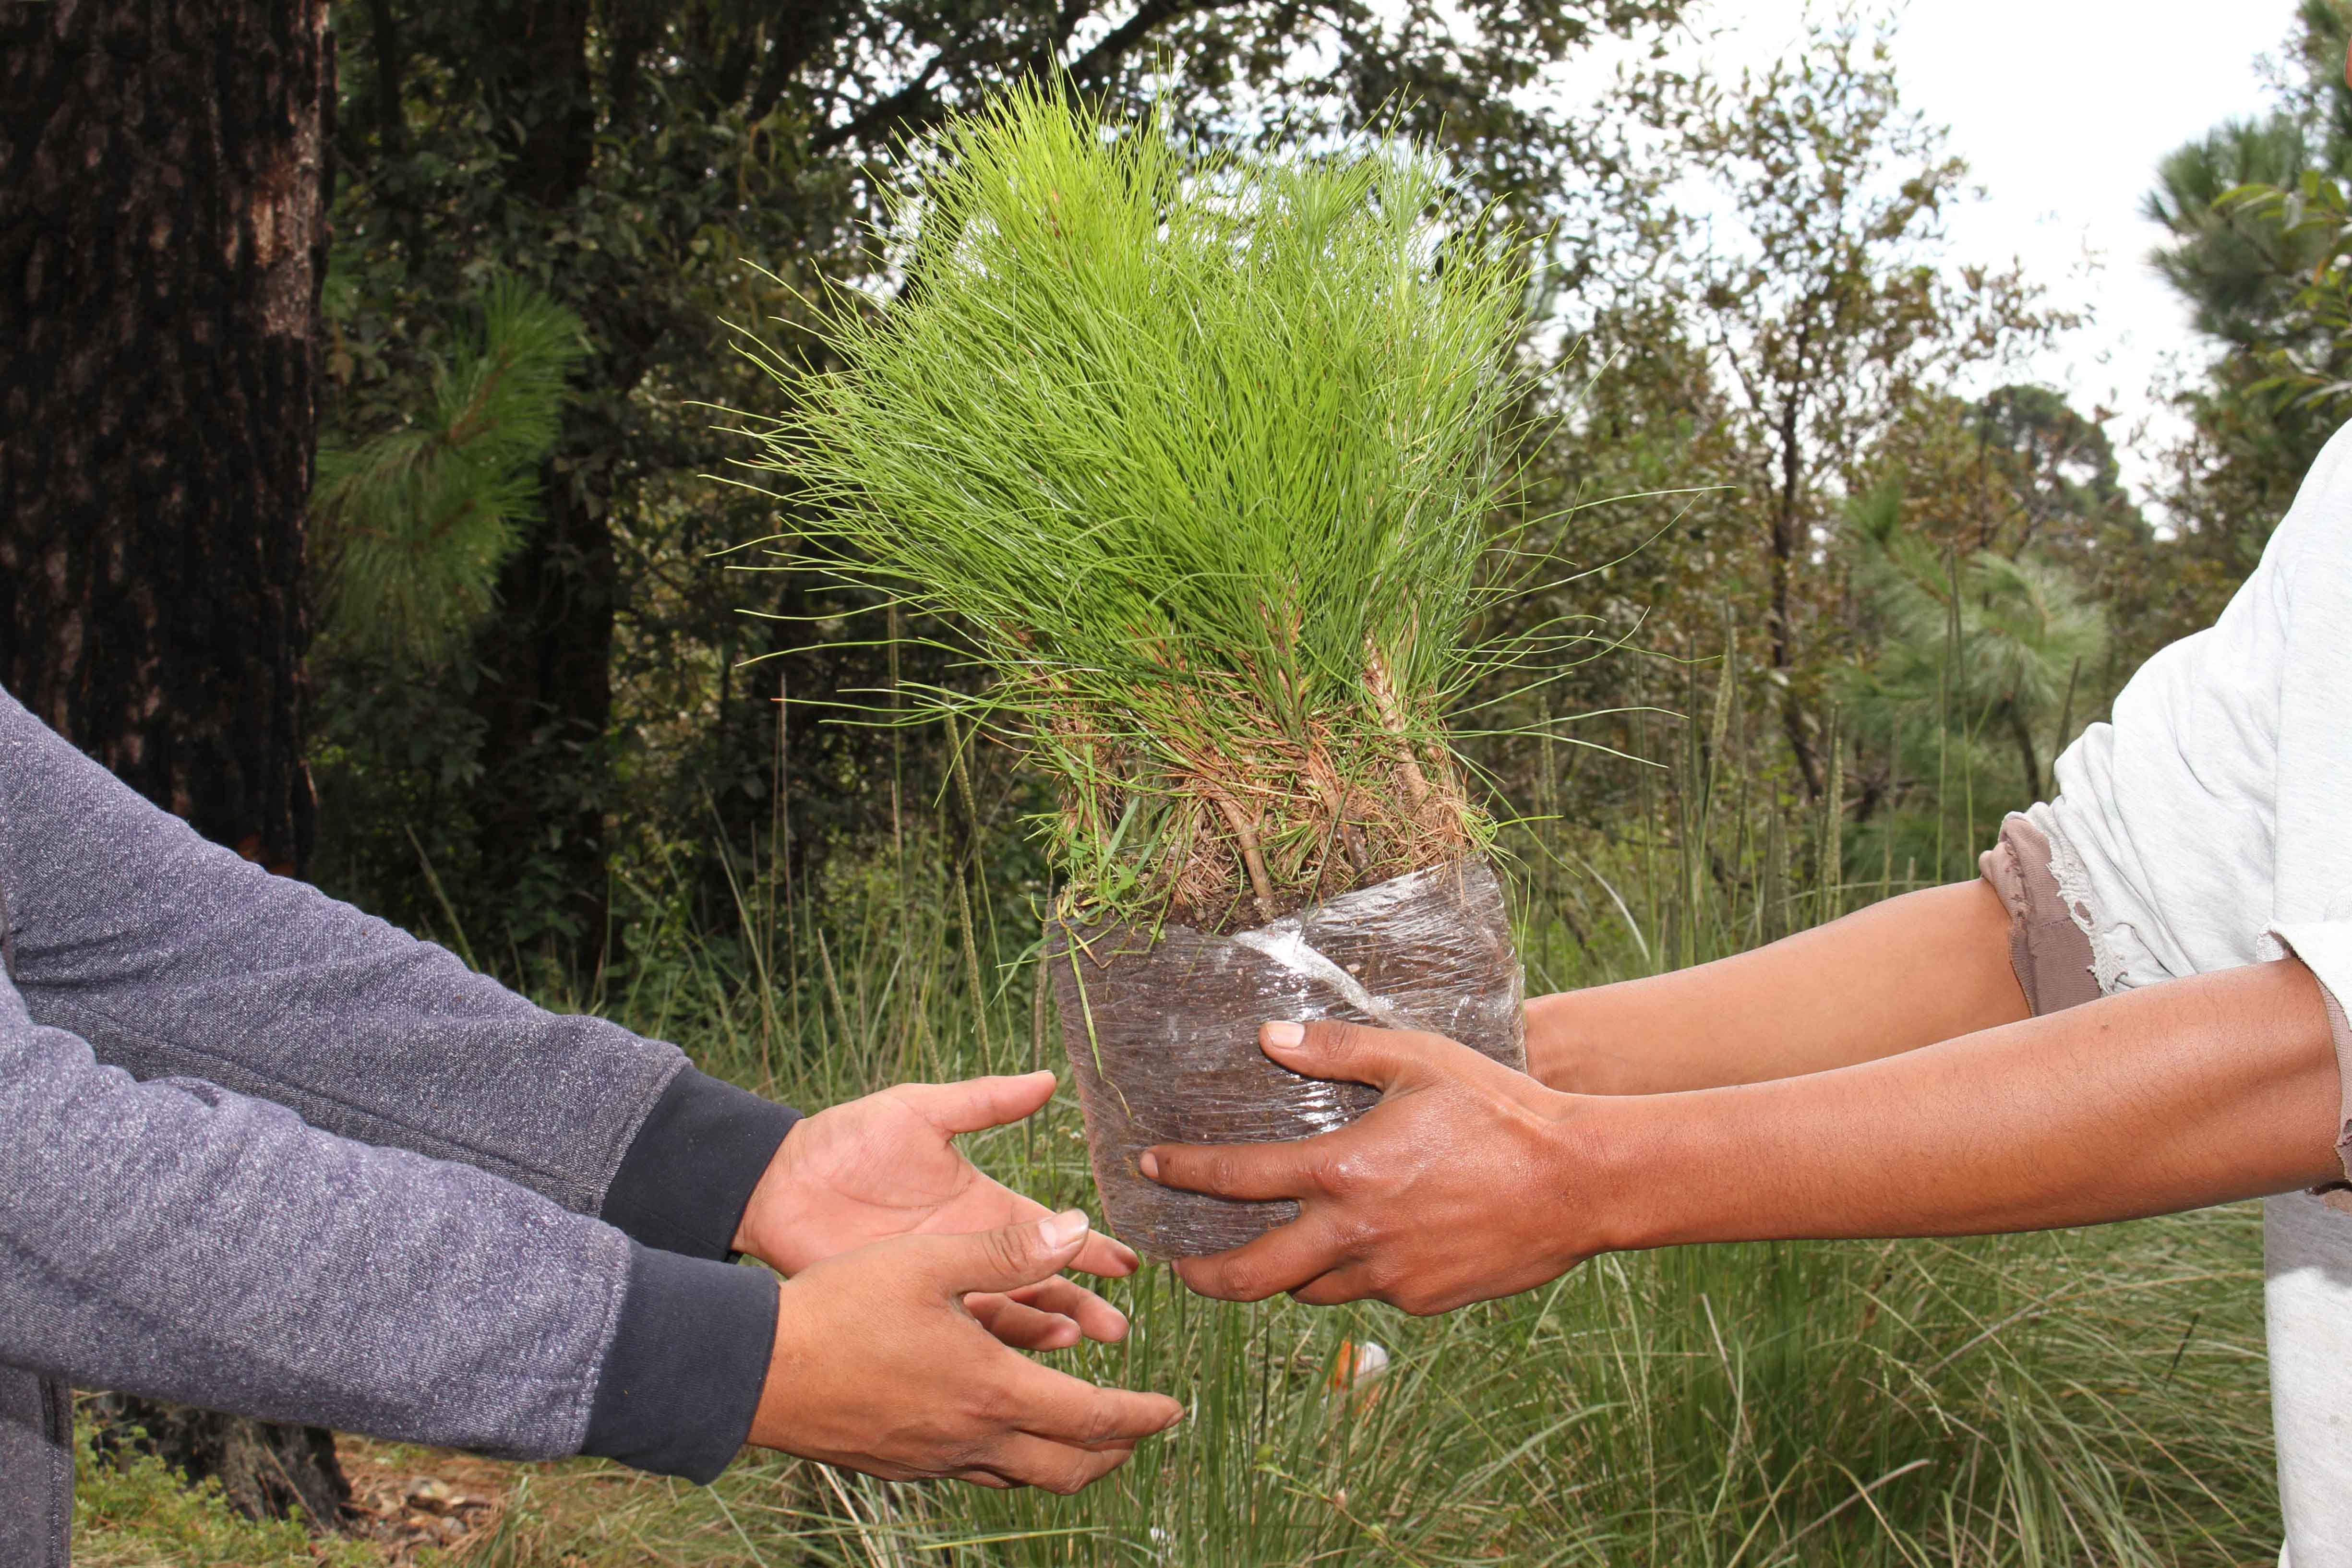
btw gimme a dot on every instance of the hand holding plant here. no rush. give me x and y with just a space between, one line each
1459 1186
1469 1181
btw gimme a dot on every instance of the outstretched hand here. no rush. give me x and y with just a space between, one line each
1457 1186
886 1165
881 1366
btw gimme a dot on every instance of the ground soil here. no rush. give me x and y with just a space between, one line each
406 1498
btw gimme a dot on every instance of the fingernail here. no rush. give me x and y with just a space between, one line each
1282 1034
1149 1164
1062 1229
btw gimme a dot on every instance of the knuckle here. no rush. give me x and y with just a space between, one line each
1003 1250
1339 1038
991 1407
1100 1424
1242 1282
1344 1173
1357 1234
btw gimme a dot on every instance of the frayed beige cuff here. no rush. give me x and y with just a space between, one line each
2048 948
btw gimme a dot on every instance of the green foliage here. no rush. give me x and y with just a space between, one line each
2308 357
2260 271
1196 450
132 1511
625 159
1983 666
2236 264
411 527
1776 338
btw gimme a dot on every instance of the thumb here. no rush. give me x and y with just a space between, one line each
1008 1259
978 1103
1354 1052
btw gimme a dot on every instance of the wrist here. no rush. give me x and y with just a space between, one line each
685 1181
1558 1053
1638 1171
770 1426
1578 1042
771 1196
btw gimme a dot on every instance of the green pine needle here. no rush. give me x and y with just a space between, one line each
415 525
1197 452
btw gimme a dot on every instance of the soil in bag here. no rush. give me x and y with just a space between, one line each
1163 1031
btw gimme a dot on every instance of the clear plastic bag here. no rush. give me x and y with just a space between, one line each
1162 1032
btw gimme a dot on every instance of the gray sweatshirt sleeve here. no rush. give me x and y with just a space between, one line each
173 1238
260 1153
173 958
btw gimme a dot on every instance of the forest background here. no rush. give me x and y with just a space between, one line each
530 677
544 687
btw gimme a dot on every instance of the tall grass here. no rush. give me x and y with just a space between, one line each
2082 1397
2093 1396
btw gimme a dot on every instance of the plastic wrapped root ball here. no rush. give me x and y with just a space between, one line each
1163 1031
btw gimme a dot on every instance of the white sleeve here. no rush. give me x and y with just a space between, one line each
2190 822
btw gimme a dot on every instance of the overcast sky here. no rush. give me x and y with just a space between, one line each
2062 108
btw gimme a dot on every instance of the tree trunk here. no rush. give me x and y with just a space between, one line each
546 700
162 244
264 1469
163 239
546 692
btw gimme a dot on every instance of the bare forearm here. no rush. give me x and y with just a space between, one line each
1926 966
1469 1180
2193 1092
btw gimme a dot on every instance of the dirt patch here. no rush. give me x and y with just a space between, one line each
408 1498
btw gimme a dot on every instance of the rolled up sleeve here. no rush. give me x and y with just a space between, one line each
2049 949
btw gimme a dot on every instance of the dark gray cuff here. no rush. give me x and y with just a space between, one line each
689 1171
681 1382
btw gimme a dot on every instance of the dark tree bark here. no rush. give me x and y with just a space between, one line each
264 1469
162 239
162 244
546 692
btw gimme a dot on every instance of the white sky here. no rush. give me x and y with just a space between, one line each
2062 108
